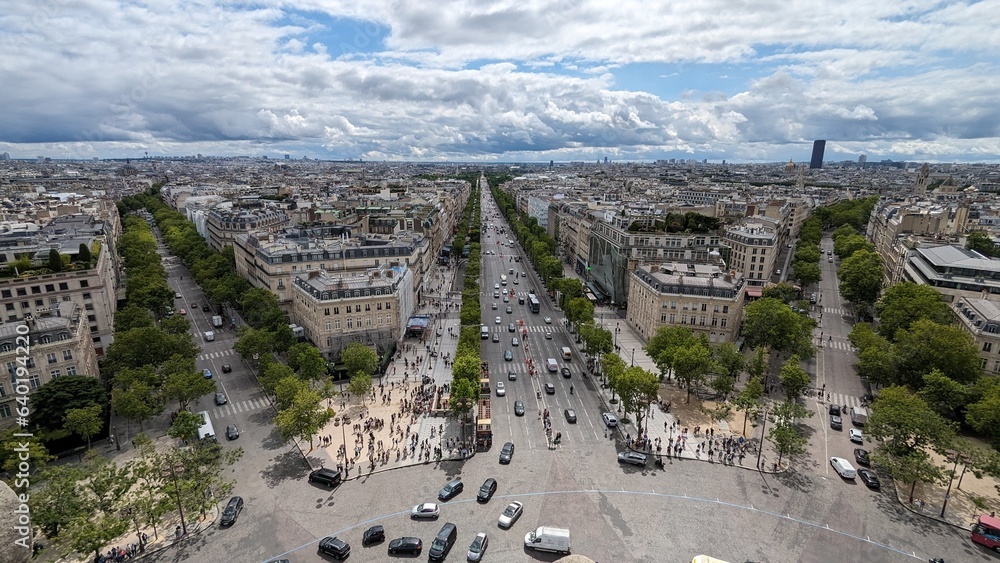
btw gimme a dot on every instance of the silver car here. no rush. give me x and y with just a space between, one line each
510 514
426 510
634 458
478 547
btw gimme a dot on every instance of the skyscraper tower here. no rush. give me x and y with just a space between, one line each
817 158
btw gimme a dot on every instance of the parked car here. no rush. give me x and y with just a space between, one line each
406 546
518 408
486 490
334 547
634 458
220 399
861 456
183 312
231 512
856 436
510 514
550 389
373 535
843 467
450 490
478 547
869 478
506 453
427 510
570 416
610 420
226 368
232 432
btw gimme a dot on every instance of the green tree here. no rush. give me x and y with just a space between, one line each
138 402
637 388
578 311
772 324
464 394
60 499
85 422
877 365
843 230
272 373
928 345
132 317
909 466
466 367
982 243
807 273
943 394
901 421
793 378
983 415
361 385
808 253
613 367
185 426
55 260
359 359
305 417
906 302
83 255
662 347
783 291
254 344
185 387
749 400
147 346
308 360
11 449
286 390
692 363
860 276
51 402
846 246
787 441
175 325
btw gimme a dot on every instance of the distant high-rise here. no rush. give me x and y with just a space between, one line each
862 159
817 158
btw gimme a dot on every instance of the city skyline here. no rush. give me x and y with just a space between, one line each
502 83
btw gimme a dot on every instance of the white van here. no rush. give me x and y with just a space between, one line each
548 539
484 332
567 353
843 467
553 365
209 336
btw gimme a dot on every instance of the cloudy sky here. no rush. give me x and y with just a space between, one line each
514 80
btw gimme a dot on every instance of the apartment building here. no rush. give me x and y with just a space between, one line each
954 271
94 289
272 260
897 227
700 297
58 343
223 224
753 249
981 319
337 308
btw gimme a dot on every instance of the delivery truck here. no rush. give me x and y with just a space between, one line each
217 321
546 538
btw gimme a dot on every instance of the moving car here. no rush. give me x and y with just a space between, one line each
550 389
501 390
426 510
183 312
232 432
177 295
565 373
334 547
548 336
514 341
634 458
836 422
869 478
610 420
443 542
497 320
508 356
518 408
326 476
449 491
205 308
548 320
510 514
506 453
509 310
861 456
843 467
494 306
373 535
231 512
486 491
407 545
226 368
478 547
496 337
856 436
510 327
207 373
511 376
570 416
496 286
835 410
220 399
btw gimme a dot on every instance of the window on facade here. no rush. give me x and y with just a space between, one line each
63 286
36 289
701 321
663 317
350 323
86 296
358 321
327 325
684 319
3 389
326 311
71 370
348 309
987 346
5 411
723 322
982 363
368 321
10 306
39 302
34 381
704 306
6 293
336 310
51 358
85 283
54 373
21 291
378 306
50 287
388 306
368 307
336 324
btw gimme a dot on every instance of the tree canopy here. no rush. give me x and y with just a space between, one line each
906 302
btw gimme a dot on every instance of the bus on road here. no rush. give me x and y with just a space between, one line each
986 532
533 303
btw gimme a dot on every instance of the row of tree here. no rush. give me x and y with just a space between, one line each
536 242
805 262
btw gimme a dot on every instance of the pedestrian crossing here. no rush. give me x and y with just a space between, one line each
838 345
230 409
216 355
835 311
538 329
842 399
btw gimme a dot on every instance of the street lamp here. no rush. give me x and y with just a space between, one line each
760 448
633 357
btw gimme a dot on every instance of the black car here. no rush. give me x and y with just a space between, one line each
861 455
486 491
410 546
836 422
550 389
328 477
506 453
869 478
835 410
373 535
334 547
226 368
570 416
449 491
231 512
511 376
205 308
518 408
565 372
220 399
232 432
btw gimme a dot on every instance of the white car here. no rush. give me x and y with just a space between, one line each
610 420
426 510
856 436
478 548
843 467
501 390
494 306
510 514
497 321
515 342
548 320
496 286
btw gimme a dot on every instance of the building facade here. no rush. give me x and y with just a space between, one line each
981 319
223 225
954 271
753 251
